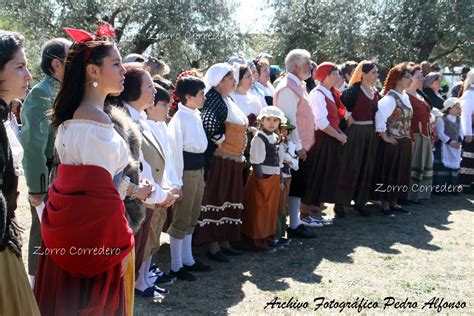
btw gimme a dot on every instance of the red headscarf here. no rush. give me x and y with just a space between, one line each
324 70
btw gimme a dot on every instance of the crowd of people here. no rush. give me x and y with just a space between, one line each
114 154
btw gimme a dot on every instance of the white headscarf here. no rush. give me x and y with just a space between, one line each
215 74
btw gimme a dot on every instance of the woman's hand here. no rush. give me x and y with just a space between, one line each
144 189
388 139
170 199
342 138
349 121
177 192
455 145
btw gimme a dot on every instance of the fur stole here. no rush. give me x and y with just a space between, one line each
124 125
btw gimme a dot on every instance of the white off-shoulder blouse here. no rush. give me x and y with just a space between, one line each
86 142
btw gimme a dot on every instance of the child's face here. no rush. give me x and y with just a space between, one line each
271 124
158 112
196 102
455 110
284 132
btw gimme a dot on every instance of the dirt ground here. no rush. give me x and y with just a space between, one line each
416 259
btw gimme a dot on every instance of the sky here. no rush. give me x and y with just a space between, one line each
252 15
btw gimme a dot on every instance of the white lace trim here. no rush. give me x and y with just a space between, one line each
222 221
216 208
123 186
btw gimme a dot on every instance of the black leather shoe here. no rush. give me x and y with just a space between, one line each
218 256
198 266
339 211
283 242
231 251
400 210
388 213
300 232
153 291
183 274
362 211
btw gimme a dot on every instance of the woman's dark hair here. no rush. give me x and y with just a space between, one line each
165 83
161 94
347 68
10 43
73 86
132 87
188 85
53 49
243 69
367 66
414 68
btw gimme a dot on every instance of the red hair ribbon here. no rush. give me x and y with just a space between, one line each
81 36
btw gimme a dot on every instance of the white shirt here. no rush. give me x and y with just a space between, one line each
287 152
288 103
319 106
450 157
268 89
248 103
15 145
386 106
235 114
260 95
170 178
158 195
258 152
86 142
467 111
186 133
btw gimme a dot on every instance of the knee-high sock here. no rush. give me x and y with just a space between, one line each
176 246
151 276
187 251
142 282
31 278
294 208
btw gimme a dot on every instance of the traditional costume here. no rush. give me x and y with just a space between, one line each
466 173
74 275
393 162
16 297
188 144
324 156
262 191
421 176
358 154
225 124
37 139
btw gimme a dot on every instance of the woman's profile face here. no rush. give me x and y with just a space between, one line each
112 72
14 77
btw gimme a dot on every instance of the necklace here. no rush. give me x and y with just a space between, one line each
368 93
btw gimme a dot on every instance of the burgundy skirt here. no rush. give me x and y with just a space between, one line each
392 171
321 170
59 293
220 218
